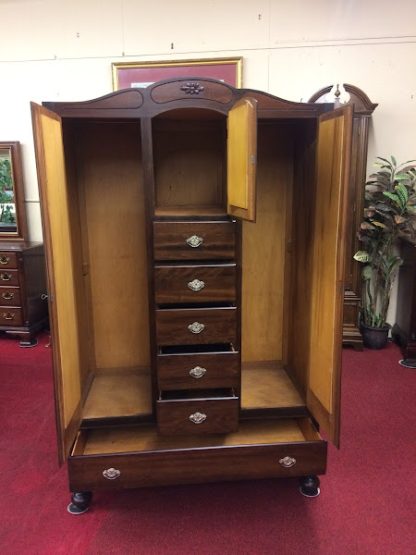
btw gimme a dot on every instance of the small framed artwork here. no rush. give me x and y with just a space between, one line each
143 74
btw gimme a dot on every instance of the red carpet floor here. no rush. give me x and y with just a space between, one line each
367 504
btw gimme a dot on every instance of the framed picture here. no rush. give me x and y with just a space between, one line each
143 74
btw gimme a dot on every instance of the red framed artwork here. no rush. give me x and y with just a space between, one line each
143 74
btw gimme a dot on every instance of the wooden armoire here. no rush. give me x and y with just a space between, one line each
195 238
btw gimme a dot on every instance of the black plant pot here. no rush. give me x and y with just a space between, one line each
375 338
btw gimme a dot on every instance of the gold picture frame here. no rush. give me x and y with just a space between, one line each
143 74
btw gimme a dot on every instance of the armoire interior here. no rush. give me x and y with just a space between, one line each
112 322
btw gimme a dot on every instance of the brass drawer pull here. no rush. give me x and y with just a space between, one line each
8 315
111 473
7 296
197 417
194 241
196 285
197 372
196 327
4 260
287 462
5 276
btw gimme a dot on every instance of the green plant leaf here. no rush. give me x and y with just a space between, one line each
367 273
361 256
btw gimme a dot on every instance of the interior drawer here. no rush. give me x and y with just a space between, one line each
194 240
9 277
10 296
195 326
195 283
139 456
11 316
201 413
195 370
8 260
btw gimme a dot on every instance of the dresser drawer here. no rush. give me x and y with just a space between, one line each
194 240
10 316
134 457
196 370
197 415
10 296
195 283
194 326
8 260
9 277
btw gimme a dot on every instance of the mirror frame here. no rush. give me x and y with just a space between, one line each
17 174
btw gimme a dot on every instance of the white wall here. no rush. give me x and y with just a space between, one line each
63 50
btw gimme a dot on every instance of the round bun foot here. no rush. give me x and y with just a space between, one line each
25 343
80 503
75 510
309 486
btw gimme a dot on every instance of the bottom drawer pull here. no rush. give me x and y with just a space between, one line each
287 462
8 315
111 473
197 417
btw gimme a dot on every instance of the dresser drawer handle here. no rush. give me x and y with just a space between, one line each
196 327
194 241
111 473
8 315
6 277
4 260
287 462
196 285
197 372
197 417
7 296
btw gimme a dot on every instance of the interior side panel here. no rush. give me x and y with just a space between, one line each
299 315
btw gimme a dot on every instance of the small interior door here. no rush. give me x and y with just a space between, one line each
56 217
241 159
328 262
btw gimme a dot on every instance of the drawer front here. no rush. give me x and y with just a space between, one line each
196 326
194 240
10 296
193 284
207 416
10 316
9 277
195 371
8 260
196 466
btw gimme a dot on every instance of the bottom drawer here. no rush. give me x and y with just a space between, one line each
210 413
10 316
139 456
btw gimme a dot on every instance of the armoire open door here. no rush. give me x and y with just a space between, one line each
327 279
242 159
59 242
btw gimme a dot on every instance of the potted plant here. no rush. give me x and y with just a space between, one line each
389 213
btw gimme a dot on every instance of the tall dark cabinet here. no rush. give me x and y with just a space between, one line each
195 237
363 109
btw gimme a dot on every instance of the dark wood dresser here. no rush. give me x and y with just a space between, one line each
23 304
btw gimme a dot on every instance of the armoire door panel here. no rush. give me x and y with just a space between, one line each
62 281
332 174
242 159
